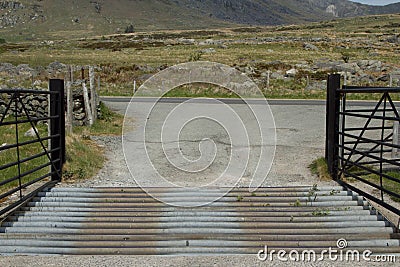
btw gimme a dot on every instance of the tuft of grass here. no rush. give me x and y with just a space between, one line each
297 203
108 123
321 212
319 167
84 158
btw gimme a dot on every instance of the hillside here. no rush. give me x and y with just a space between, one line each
54 19
297 58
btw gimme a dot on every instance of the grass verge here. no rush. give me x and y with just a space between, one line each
320 168
84 156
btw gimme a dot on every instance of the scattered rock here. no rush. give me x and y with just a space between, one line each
383 78
208 51
395 39
3 145
353 68
365 79
316 85
31 132
291 73
373 65
80 115
57 66
277 76
187 41
311 47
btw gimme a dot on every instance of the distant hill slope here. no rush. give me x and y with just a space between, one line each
25 19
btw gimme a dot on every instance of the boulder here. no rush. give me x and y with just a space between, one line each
56 66
373 65
208 51
310 47
291 73
353 68
277 76
187 41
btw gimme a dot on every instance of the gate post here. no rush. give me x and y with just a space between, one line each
57 127
332 125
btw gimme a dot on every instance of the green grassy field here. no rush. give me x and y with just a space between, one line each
120 56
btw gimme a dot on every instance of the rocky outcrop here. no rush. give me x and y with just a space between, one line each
206 13
331 9
15 13
12 5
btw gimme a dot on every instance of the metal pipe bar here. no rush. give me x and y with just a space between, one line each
380 188
367 110
373 162
18 145
25 174
387 139
26 91
6 110
367 151
355 89
371 171
369 140
38 136
370 155
25 198
382 140
393 106
29 120
361 142
26 159
36 180
6 147
12 191
342 129
360 138
370 197
368 129
355 115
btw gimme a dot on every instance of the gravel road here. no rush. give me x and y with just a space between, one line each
300 140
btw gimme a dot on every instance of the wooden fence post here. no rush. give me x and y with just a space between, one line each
70 102
93 98
87 104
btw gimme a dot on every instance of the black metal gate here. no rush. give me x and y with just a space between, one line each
32 142
362 142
